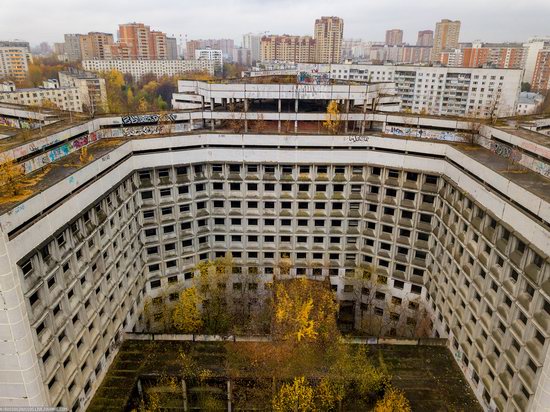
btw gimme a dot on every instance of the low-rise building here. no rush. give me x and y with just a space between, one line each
138 68
63 98
91 87
529 103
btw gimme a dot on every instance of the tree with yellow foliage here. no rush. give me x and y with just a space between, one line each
211 283
304 310
84 156
295 397
114 84
186 316
332 117
394 400
11 176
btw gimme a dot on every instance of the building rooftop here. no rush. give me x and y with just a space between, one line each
428 375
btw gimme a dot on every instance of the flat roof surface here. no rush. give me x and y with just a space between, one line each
429 375
525 178
534 137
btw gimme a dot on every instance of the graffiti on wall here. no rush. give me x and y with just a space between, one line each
17 123
149 118
59 152
515 155
426 133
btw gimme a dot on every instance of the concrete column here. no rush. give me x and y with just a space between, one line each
229 395
212 104
184 393
296 106
279 105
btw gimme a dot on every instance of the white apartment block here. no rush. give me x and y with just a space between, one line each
212 55
64 98
138 68
91 88
442 223
440 90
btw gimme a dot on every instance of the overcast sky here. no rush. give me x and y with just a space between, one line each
488 20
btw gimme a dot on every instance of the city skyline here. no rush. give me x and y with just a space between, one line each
367 20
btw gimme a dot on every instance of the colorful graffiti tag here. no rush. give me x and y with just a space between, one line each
61 151
17 123
426 133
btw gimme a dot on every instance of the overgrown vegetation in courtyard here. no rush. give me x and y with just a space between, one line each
305 366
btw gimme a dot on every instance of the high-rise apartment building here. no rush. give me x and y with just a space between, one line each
171 48
394 37
425 38
541 76
72 47
142 43
500 56
533 46
95 45
328 35
252 42
14 62
298 49
446 37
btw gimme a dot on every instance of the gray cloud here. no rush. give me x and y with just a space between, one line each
489 20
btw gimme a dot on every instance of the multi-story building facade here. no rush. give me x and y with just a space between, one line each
252 42
533 46
215 56
242 56
328 35
541 76
394 37
444 225
141 42
225 45
299 49
446 37
138 68
63 98
500 56
14 62
172 48
439 90
96 45
72 47
425 38
91 87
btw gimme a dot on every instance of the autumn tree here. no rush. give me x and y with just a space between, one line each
211 283
304 310
11 176
84 156
186 315
332 117
294 397
114 84
394 400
